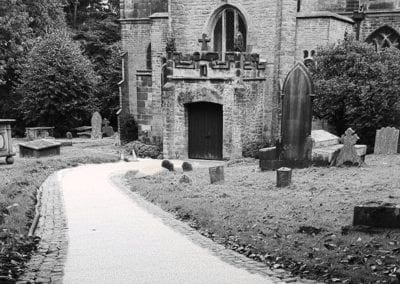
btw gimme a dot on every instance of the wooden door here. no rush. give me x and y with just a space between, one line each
205 131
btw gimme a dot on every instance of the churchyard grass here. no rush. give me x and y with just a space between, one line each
304 228
18 188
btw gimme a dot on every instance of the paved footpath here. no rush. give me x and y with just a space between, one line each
114 236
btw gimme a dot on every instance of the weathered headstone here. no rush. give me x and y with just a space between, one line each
216 174
348 154
96 125
386 140
297 116
283 177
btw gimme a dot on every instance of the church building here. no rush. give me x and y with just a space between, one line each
203 78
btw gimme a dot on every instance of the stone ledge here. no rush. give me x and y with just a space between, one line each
324 14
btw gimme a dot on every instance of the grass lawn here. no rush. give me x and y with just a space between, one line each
302 228
18 186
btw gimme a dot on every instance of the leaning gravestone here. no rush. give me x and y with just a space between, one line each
296 117
386 140
216 174
96 126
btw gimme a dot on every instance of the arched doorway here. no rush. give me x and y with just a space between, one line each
205 130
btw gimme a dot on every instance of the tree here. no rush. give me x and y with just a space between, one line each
357 87
21 21
57 84
100 39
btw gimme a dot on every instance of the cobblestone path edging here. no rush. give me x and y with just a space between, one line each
46 264
279 276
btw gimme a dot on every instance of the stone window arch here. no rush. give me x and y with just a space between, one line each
148 57
384 37
229 30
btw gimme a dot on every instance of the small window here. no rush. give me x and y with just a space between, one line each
230 31
148 57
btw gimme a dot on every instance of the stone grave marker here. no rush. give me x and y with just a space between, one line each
96 125
298 90
216 174
283 177
347 155
386 140
377 214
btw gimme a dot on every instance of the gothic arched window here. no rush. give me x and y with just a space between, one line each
230 31
384 37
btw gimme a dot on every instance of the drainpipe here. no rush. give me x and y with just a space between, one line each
358 17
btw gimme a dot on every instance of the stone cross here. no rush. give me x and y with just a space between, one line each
348 153
204 42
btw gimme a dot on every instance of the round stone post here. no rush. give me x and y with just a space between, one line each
283 177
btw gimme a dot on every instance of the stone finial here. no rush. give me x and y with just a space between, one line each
204 42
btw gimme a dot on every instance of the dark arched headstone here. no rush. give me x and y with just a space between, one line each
297 116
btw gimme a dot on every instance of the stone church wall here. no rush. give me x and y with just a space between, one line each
190 20
314 31
373 21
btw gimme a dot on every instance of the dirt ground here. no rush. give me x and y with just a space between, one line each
304 228
19 183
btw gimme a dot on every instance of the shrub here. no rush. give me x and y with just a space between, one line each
57 84
187 167
129 129
168 165
143 150
357 87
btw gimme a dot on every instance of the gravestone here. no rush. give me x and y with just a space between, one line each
377 214
386 140
347 155
216 174
296 141
283 177
96 125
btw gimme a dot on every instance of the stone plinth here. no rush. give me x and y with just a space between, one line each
377 215
6 149
39 148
